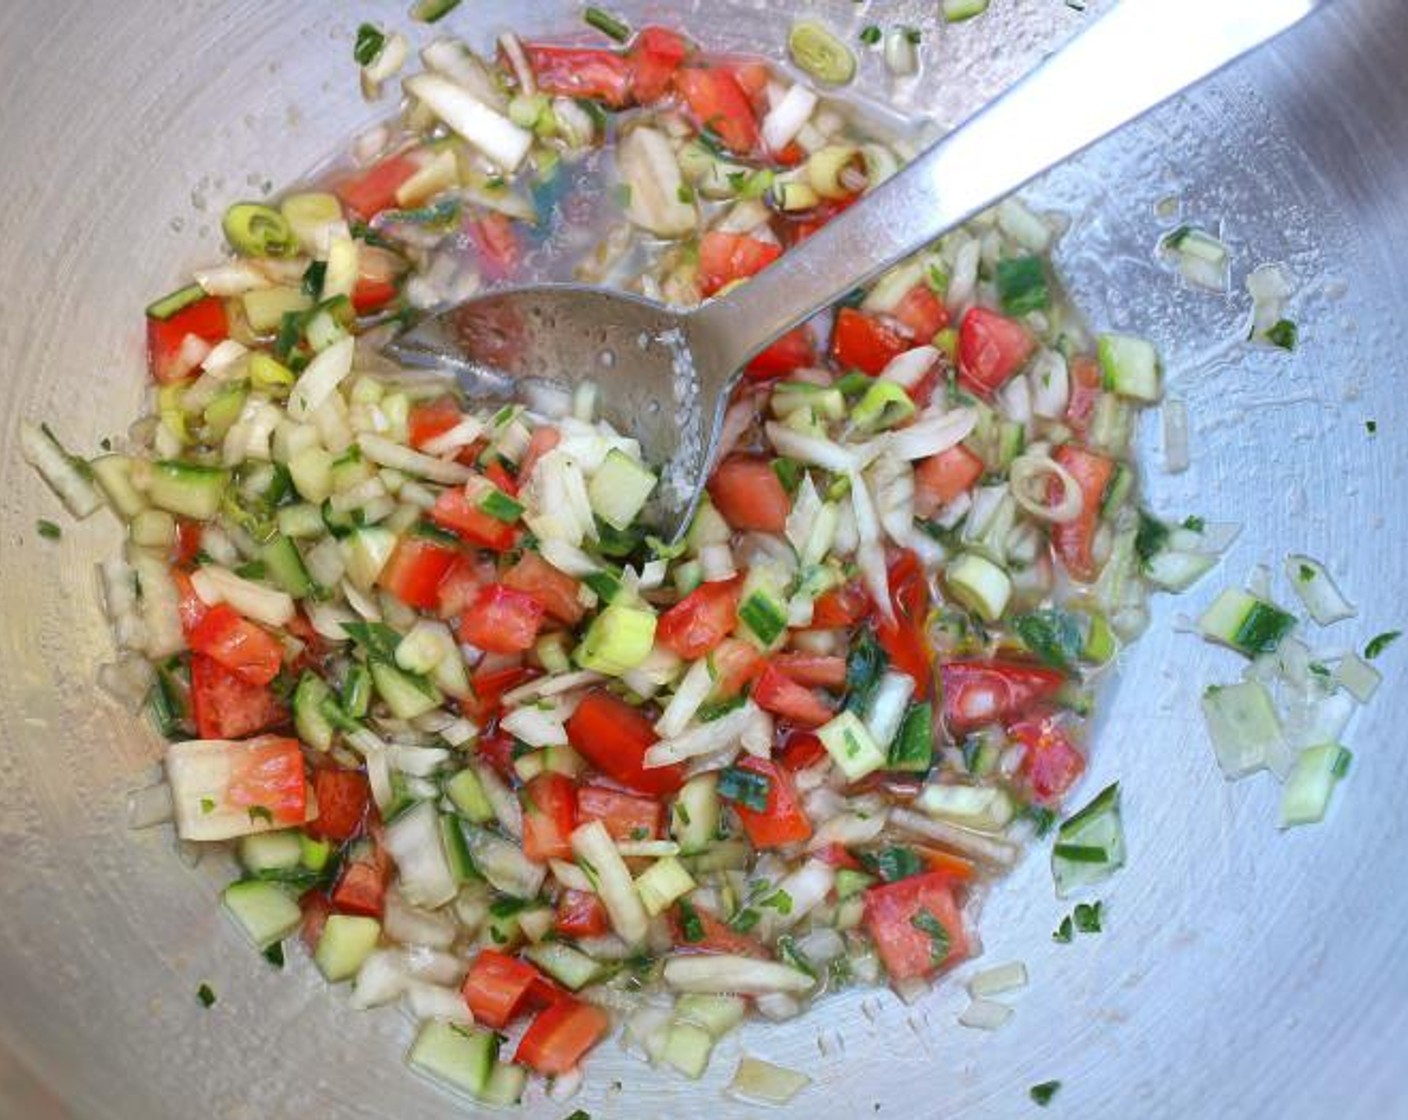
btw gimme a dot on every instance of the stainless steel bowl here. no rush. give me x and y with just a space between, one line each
1243 972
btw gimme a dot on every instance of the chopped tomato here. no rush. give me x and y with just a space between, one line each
654 57
749 495
415 571
1074 540
904 639
727 257
549 815
496 243
555 590
581 914
378 270
793 351
265 777
498 474
225 706
841 606
188 542
497 986
597 75
991 348
454 511
718 102
361 888
799 750
941 478
863 342
735 663
205 319
701 620
489 686
369 192
752 75
916 925
316 907
837 856
496 748
247 650
625 816
1052 763
796 228
1086 384
812 669
778 693
543 440
561 1035
782 820
977 693
501 620
429 419
613 737
706 933
342 797
459 586
922 312
953 867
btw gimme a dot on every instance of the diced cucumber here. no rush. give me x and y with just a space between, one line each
265 308
662 883
1178 571
505 1085
406 695
979 584
694 817
1090 845
467 794
283 564
708 527
355 697
618 639
1130 366
114 477
716 1014
271 851
824 402
723 855
187 489
851 746
1011 442
222 412
309 214
311 470
955 11
619 489
850 883
300 521
263 911
346 941
1313 779
179 300
313 854
1099 644
457 1056
762 607
987 808
570 967
153 528
1117 490
884 405
912 748
457 850
687 1049
349 469
1246 623
312 725
366 551
1242 725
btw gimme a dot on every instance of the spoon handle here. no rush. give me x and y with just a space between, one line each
1139 55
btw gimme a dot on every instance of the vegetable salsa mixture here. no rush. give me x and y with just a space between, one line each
480 740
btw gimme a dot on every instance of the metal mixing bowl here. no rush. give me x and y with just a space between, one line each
1243 972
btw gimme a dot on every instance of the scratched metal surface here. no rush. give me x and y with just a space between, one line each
1244 973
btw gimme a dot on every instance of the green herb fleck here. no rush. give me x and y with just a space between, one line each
1043 1093
1021 285
207 805
1053 635
370 40
691 928
206 994
1381 642
607 24
870 35
1194 524
780 901
893 864
274 954
1151 537
685 193
48 530
260 813
913 35
1063 932
1306 573
1087 916
746 787
580 1114
1283 334
745 920
1041 817
939 940
1371 426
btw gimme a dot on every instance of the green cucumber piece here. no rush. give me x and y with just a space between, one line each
1249 625
312 725
1130 366
851 746
618 639
913 747
466 793
179 300
460 1057
346 941
284 566
570 967
457 850
1313 779
187 489
271 851
407 696
263 911
619 489
694 817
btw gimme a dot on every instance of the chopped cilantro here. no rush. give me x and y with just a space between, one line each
1043 1093
48 530
870 35
893 864
939 941
260 813
370 40
747 787
1087 916
206 994
1283 334
1371 426
1381 642
780 901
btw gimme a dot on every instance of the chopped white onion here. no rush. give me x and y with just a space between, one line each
1175 423
932 433
320 380
488 130
910 368
1001 978
1317 590
1030 479
702 739
722 974
785 120
54 465
253 600
985 1015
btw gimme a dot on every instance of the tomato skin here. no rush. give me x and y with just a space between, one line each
560 1036
581 914
497 986
1086 385
736 663
728 257
496 749
812 670
543 440
782 821
247 650
429 419
717 936
654 57
798 749
906 950
598 75
863 342
791 352
1052 763
613 737
368 193
716 100
549 815
555 590
836 856
991 348
749 495
378 270
266 776
496 243
501 620
205 319
361 888
342 796
415 571
1074 541
316 907
980 692
454 511
922 312
625 816
941 478
489 686
840 607
778 693
225 706
701 620
903 639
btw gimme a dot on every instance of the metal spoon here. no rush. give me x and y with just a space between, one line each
666 375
